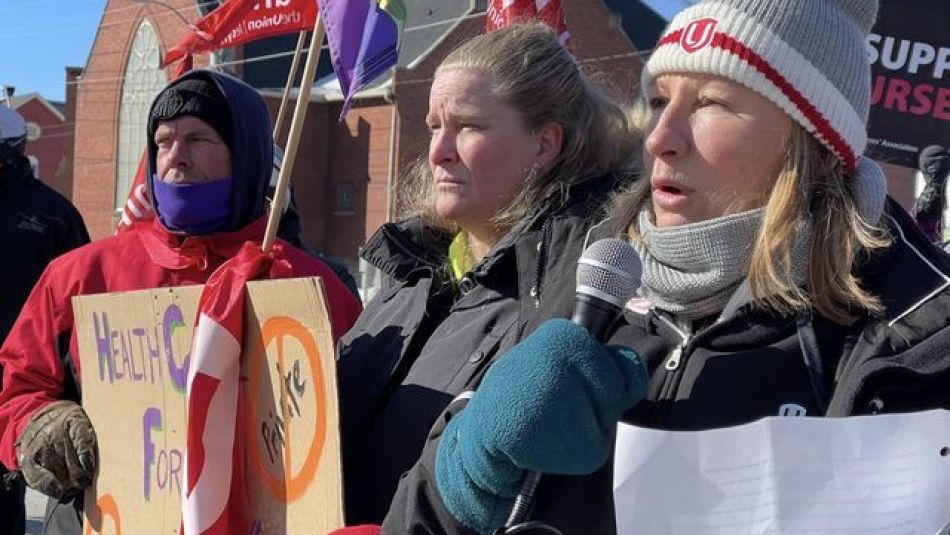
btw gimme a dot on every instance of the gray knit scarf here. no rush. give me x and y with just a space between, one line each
693 270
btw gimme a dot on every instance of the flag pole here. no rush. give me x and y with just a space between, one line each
301 39
391 170
293 138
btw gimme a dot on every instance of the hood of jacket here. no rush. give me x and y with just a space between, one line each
251 149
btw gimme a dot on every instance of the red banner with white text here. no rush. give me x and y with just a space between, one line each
242 21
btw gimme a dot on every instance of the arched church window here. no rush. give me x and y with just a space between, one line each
144 78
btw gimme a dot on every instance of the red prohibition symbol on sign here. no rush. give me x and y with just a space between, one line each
288 486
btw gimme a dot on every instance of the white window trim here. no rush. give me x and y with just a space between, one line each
144 78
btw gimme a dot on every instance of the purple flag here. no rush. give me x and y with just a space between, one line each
363 40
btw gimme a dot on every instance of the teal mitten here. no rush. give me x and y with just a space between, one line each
549 405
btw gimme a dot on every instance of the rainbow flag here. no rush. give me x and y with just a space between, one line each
363 36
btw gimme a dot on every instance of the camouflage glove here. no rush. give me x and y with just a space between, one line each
57 450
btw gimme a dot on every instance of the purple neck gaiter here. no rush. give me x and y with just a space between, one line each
193 208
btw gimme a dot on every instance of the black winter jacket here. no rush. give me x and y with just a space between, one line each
751 365
37 224
425 339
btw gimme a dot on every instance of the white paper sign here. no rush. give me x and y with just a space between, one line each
885 474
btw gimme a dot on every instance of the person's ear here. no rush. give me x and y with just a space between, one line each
550 141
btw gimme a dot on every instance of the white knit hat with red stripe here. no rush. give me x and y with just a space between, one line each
807 56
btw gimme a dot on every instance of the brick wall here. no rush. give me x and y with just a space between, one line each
350 157
50 147
334 158
364 136
900 184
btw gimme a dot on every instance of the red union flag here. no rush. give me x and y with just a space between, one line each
241 21
501 13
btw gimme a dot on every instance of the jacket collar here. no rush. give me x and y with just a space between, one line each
910 271
401 247
583 200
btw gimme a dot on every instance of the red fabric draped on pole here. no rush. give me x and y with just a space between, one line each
242 21
215 500
501 13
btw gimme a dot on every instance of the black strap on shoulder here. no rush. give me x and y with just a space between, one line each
813 358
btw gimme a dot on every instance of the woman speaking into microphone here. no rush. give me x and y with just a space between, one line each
778 277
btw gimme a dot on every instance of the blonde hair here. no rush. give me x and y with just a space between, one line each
530 71
811 187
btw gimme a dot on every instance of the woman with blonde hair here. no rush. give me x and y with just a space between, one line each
524 152
778 277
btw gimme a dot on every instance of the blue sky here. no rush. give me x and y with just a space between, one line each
40 38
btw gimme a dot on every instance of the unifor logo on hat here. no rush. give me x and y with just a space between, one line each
698 34
168 104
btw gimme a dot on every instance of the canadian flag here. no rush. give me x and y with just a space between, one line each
137 207
501 13
215 499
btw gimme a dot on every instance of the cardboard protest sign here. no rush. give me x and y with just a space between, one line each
134 355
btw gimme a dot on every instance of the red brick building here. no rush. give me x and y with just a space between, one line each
346 176
49 134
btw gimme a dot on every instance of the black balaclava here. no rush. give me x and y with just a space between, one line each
934 162
238 113
14 166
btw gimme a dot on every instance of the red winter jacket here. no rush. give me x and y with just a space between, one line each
42 343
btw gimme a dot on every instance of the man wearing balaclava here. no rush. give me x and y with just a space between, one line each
210 160
934 164
37 224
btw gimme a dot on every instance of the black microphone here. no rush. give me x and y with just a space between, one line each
608 275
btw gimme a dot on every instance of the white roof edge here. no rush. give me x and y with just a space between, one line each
36 96
327 90
425 54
